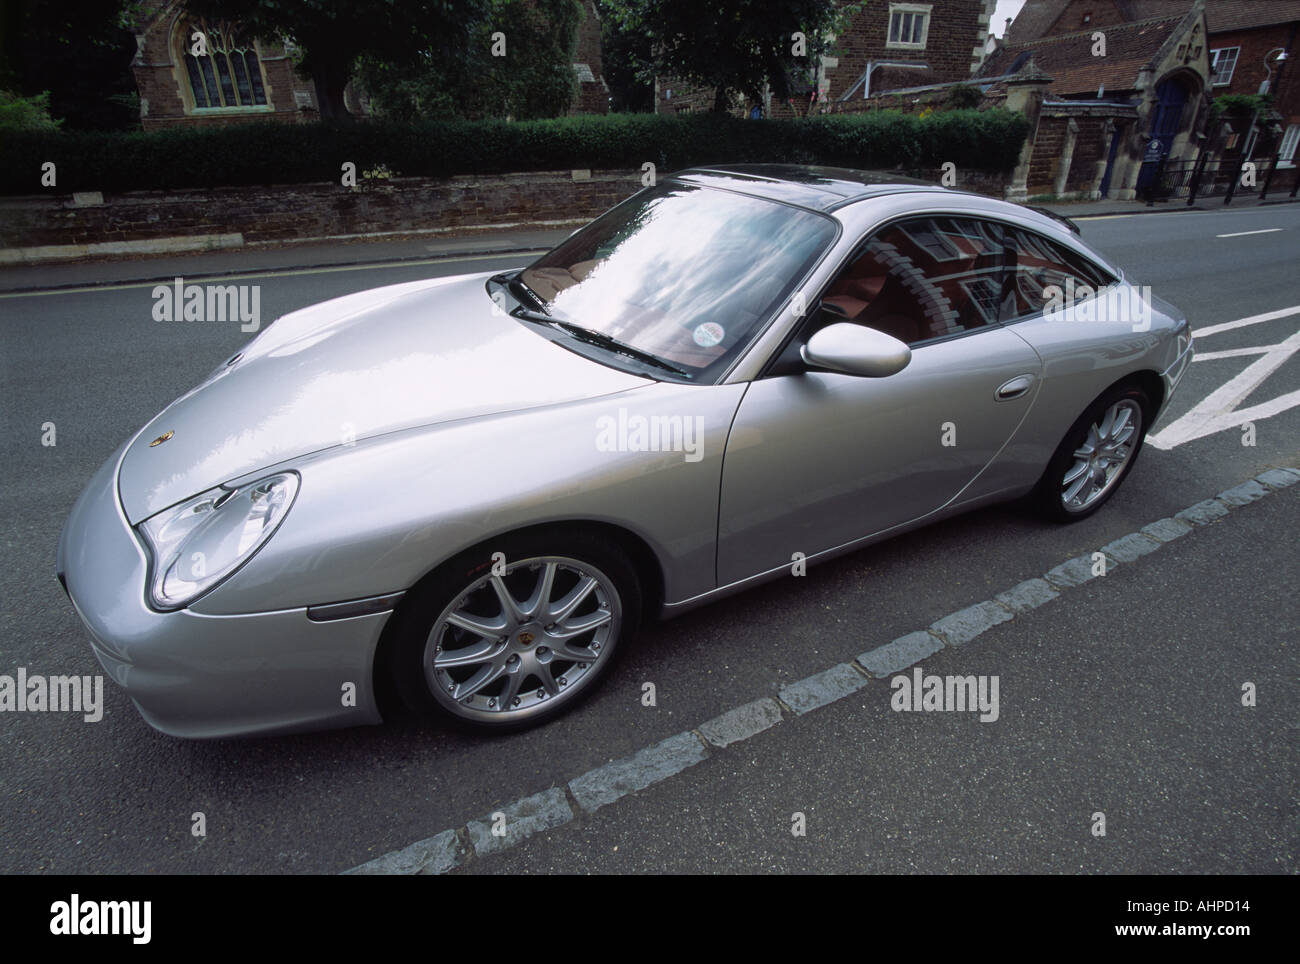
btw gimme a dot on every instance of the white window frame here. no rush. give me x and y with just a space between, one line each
1236 53
916 9
1286 152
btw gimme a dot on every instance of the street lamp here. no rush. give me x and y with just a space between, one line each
1268 71
1263 89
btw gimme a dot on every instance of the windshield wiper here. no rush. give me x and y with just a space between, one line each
521 291
540 315
602 340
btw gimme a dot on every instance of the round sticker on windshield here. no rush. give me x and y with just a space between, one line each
709 334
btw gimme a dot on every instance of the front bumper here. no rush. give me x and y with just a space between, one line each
198 676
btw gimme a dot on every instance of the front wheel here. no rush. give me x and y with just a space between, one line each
512 635
1095 456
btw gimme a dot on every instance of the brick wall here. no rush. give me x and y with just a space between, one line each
1250 72
1088 15
316 210
957 27
593 93
1090 145
1089 150
1047 154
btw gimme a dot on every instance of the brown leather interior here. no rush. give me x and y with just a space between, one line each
868 295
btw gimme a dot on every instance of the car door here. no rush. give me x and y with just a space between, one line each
818 459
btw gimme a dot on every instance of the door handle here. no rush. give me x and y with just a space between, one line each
1014 388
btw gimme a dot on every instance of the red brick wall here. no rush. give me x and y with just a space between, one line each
1049 151
1250 72
316 210
956 28
1100 14
1048 147
593 95
1089 149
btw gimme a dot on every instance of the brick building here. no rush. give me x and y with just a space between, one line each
593 93
888 44
241 78
1245 41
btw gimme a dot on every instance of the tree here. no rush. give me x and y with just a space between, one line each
627 64
79 51
26 113
332 36
731 46
518 63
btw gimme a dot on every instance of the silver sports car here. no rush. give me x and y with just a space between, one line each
463 494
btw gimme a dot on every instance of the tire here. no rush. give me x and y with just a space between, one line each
462 654
1094 478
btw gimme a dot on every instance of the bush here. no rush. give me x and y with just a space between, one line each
964 97
266 154
26 113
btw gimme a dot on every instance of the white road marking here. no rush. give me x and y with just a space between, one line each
1242 234
1245 322
1232 353
1218 410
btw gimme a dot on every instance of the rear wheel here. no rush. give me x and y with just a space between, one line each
514 634
1095 456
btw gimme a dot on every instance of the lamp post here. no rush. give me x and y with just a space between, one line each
1249 152
1264 89
1282 57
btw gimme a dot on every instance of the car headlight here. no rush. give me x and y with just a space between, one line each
197 544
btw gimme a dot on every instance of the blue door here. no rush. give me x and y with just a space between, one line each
1171 98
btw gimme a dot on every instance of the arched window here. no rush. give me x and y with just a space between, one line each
222 66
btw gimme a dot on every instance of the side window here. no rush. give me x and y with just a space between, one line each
1042 270
924 278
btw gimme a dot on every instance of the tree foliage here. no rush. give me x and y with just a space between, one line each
77 51
26 113
626 57
333 36
732 46
517 63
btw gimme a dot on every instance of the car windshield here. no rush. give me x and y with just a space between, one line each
683 273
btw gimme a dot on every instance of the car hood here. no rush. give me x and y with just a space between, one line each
366 364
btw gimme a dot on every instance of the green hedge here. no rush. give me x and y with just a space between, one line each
263 154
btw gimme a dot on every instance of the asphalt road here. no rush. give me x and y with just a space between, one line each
116 797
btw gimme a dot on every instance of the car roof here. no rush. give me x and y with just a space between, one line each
818 188
828 189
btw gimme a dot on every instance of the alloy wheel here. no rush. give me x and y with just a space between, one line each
1100 459
516 641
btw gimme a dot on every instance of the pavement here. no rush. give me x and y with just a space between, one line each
1120 697
256 259
1108 208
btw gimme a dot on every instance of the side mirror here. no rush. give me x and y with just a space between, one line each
856 350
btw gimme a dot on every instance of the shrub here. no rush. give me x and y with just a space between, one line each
26 113
266 154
